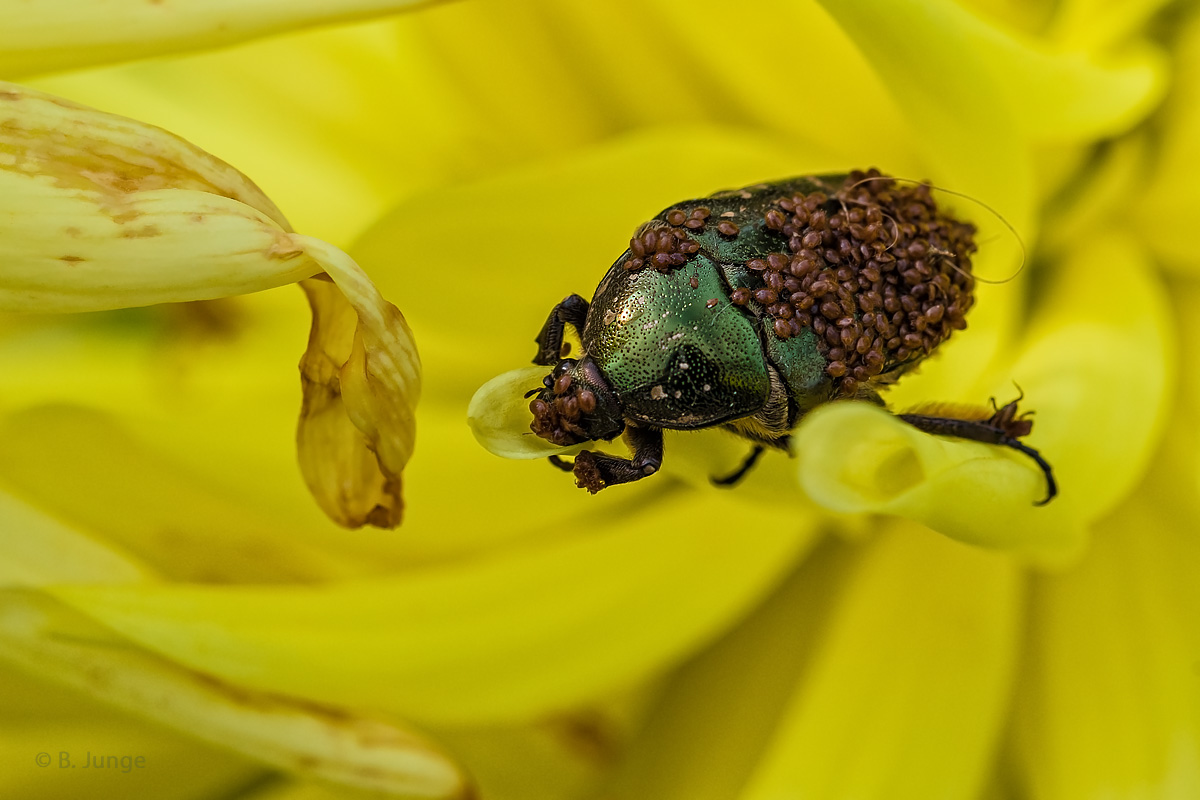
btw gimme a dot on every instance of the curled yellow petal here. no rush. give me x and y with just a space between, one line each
857 457
61 34
361 379
39 635
499 416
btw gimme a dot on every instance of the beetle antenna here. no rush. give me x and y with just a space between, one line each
889 217
976 201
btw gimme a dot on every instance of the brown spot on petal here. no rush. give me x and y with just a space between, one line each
126 216
142 232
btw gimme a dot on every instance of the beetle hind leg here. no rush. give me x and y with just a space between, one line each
571 311
1002 428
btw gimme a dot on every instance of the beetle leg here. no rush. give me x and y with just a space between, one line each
734 477
988 431
594 471
572 310
565 466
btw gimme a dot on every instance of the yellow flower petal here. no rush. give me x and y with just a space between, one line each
1099 375
511 637
36 550
1096 194
878 672
1095 24
938 72
322 98
129 497
1109 705
63 34
909 682
333 744
1052 95
1167 211
557 758
707 728
1180 454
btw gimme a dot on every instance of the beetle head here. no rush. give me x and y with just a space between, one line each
576 404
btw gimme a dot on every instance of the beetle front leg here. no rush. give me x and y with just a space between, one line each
572 310
594 471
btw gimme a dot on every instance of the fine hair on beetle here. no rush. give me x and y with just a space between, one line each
971 198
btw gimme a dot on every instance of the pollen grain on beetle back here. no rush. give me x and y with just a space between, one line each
662 248
870 264
874 268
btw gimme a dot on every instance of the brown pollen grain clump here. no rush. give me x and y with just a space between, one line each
877 271
558 412
661 248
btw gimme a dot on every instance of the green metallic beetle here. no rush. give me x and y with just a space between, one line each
749 308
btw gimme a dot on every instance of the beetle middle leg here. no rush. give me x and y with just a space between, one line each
593 471
735 477
1004 428
572 310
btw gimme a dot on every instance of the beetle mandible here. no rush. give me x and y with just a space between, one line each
748 308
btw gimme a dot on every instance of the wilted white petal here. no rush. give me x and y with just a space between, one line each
499 416
38 634
99 212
